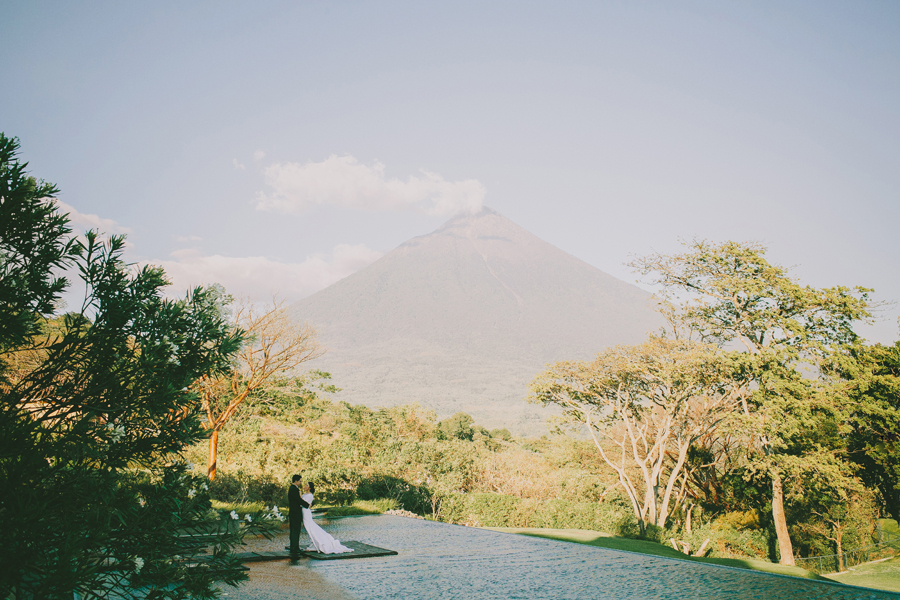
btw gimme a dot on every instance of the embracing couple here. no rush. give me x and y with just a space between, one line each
301 516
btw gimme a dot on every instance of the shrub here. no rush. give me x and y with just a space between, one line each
740 520
497 510
405 495
726 541
501 434
334 484
242 487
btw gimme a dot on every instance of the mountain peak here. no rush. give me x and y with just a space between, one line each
463 318
486 217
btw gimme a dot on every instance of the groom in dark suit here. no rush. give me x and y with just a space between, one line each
296 504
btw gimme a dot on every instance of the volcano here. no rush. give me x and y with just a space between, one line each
463 318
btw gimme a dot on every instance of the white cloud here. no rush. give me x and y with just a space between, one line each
237 165
344 181
88 221
259 155
260 277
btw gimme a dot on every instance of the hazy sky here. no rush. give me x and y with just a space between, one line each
280 146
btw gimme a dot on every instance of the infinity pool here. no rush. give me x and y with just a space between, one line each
437 560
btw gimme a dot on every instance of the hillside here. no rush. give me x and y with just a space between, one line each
463 318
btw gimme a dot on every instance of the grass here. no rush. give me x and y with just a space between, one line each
241 507
890 527
359 507
884 575
363 507
605 540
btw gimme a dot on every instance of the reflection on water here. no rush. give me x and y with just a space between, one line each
450 561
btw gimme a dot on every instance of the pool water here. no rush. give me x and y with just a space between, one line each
437 560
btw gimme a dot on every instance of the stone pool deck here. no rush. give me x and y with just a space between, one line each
436 560
360 550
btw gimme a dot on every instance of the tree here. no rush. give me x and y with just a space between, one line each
840 511
650 403
457 427
276 344
34 243
94 499
734 295
874 445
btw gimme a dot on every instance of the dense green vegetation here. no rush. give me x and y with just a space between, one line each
95 409
757 402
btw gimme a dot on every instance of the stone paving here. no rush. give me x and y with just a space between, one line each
360 550
436 560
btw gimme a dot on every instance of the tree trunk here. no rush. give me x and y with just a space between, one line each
839 538
213 450
786 550
688 519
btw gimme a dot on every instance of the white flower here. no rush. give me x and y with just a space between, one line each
205 487
190 466
117 432
234 516
274 513
138 564
191 493
248 518
141 501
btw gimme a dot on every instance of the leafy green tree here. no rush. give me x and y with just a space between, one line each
501 434
457 427
840 511
874 445
645 407
275 345
729 293
34 245
95 499
292 396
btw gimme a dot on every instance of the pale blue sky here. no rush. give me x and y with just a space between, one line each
606 128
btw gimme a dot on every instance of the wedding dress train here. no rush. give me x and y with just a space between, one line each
322 542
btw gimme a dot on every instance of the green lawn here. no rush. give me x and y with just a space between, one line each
881 575
362 507
604 540
359 507
242 508
884 575
890 527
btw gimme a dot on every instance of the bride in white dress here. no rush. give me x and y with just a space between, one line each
322 542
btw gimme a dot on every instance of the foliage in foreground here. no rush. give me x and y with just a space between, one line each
94 412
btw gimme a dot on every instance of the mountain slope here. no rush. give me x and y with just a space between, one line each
463 318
